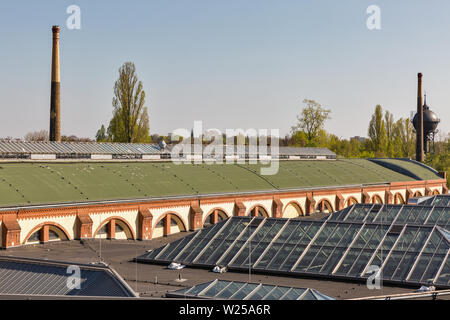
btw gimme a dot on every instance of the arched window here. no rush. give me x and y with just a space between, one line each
103 232
259 211
377 199
169 224
35 237
292 210
55 234
121 230
46 233
324 206
215 216
158 231
398 199
351 201
436 192
114 229
417 194
176 225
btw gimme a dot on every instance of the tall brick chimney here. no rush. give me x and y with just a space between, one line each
419 130
55 95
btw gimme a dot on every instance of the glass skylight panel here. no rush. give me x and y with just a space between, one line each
444 219
382 252
230 290
358 213
330 254
341 215
256 246
373 212
308 295
434 250
244 291
434 216
202 239
292 258
433 268
387 213
296 293
276 293
444 276
261 292
152 254
225 239
421 216
406 250
293 248
172 252
323 236
300 237
199 288
276 245
224 289
441 200
234 247
406 211
215 288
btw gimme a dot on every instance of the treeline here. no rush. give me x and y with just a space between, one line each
387 137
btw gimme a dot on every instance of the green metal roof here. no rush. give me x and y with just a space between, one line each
32 183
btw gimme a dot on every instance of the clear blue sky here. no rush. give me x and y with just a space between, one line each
231 64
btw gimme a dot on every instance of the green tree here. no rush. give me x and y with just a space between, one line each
311 121
405 138
390 126
377 133
130 122
101 134
440 158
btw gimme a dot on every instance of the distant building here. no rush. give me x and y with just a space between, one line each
360 139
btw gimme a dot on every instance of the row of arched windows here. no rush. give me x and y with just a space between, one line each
171 223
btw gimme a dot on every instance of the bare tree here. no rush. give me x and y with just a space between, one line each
41 135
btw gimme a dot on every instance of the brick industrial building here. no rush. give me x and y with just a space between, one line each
42 201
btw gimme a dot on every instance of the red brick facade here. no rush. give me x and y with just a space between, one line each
143 227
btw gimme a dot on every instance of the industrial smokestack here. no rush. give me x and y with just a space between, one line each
419 129
55 95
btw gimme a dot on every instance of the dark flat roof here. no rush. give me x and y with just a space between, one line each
141 277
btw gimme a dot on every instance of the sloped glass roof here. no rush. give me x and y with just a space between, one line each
442 200
46 147
235 290
409 244
431 215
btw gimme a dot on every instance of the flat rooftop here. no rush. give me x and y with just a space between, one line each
119 255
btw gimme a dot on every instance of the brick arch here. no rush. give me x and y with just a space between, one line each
175 214
348 201
398 198
436 192
295 203
258 205
322 203
130 228
212 211
376 197
417 194
43 224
